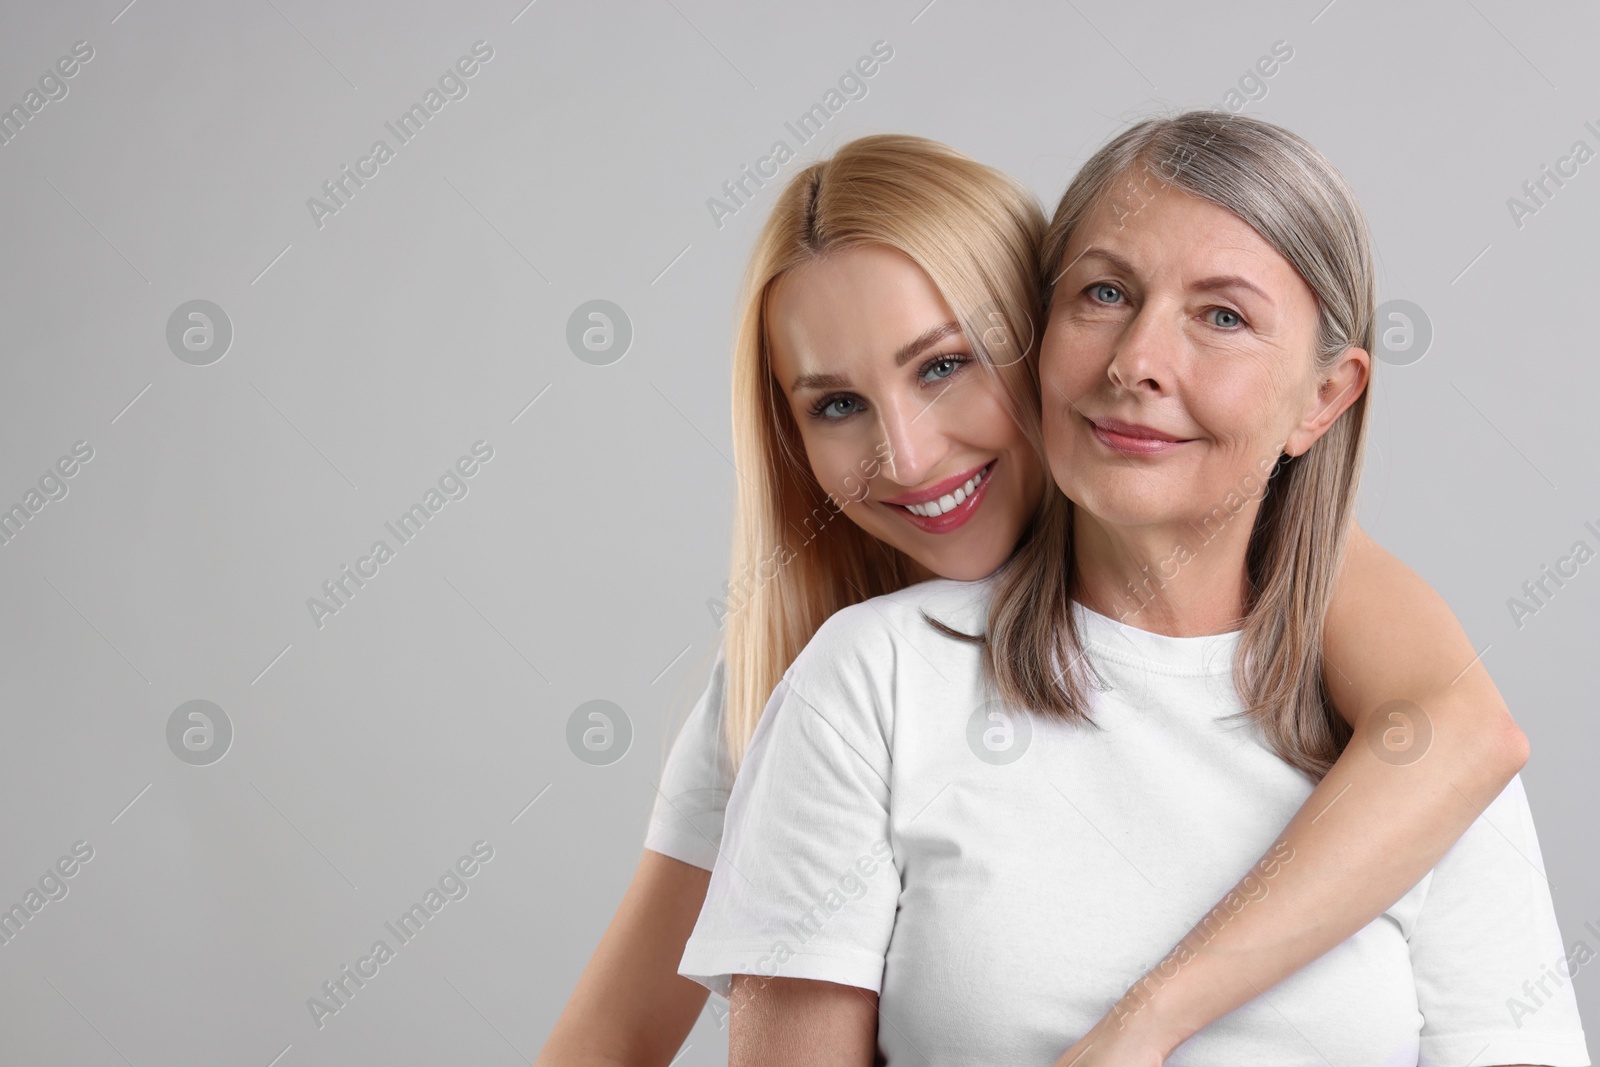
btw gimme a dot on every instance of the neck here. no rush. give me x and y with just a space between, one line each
1178 579
918 572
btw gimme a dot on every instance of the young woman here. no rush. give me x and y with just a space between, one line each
891 891
886 367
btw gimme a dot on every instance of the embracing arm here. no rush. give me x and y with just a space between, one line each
1368 832
796 1022
631 1007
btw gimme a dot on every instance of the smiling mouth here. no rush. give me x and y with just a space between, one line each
1129 440
949 501
951 510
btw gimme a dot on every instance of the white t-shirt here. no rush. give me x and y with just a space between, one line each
878 837
686 821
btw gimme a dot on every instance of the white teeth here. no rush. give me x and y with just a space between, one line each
934 508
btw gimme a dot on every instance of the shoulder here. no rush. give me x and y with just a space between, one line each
901 619
866 649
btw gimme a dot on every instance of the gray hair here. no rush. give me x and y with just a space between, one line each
1292 196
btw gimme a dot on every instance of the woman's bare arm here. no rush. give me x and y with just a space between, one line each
1392 805
795 1022
631 1007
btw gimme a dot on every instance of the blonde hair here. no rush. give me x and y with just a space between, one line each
975 231
1300 205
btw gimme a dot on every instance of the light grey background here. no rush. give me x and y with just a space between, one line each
431 312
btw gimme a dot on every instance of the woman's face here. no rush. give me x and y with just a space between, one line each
899 422
1177 362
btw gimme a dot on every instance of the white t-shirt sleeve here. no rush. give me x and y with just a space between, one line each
686 821
1492 974
806 885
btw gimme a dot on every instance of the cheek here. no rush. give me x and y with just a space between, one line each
1241 401
831 462
1070 362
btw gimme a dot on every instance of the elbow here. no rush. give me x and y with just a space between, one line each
1504 747
1492 748
1514 746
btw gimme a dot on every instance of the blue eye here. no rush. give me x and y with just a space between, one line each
1105 293
828 407
1226 318
945 366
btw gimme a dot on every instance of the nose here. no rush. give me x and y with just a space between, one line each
1142 358
916 437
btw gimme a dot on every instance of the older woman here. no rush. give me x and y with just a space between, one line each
975 813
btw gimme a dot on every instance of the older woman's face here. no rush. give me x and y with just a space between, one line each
1177 362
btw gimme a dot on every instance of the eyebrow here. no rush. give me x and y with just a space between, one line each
1204 285
908 352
